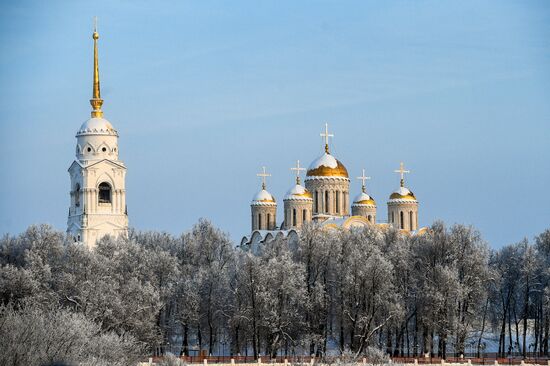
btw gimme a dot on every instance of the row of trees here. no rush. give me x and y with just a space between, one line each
331 291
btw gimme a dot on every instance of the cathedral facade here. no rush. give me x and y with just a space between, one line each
97 192
325 198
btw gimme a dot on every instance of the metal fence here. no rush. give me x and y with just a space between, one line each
488 360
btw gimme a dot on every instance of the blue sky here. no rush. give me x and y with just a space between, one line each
204 93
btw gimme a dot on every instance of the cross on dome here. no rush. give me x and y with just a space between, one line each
298 169
363 179
326 135
402 171
264 175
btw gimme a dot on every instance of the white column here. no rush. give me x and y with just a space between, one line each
345 202
119 202
114 203
89 207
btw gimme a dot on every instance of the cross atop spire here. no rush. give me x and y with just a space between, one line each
264 175
326 135
363 179
298 169
96 100
402 171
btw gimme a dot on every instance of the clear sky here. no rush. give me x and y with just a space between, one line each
204 93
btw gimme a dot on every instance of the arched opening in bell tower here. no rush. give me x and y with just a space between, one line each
104 195
77 195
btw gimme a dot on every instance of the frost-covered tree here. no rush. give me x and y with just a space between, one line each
362 291
542 326
32 335
318 252
211 254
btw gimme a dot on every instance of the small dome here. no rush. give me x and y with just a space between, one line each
403 193
364 199
263 196
327 166
298 192
97 126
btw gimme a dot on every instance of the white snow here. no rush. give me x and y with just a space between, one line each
362 197
297 190
97 125
402 191
324 160
263 195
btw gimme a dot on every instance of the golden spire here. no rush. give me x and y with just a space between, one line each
402 171
298 169
96 100
363 178
326 135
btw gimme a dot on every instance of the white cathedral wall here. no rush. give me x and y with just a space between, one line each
365 211
319 186
96 143
299 206
266 211
100 219
407 208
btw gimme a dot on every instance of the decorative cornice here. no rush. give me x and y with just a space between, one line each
316 177
263 204
363 205
297 198
400 201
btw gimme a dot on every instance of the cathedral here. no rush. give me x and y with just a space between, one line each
325 199
98 194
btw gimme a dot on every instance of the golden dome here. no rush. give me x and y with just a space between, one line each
365 202
298 192
327 166
263 196
364 199
403 193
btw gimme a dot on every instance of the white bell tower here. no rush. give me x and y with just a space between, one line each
98 191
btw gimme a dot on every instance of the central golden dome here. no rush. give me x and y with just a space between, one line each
327 166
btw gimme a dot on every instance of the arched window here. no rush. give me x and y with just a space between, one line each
392 218
268 221
326 201
104 193
294 217
77 195
402 221
304 215
259 221
369 218
411 220
337 201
